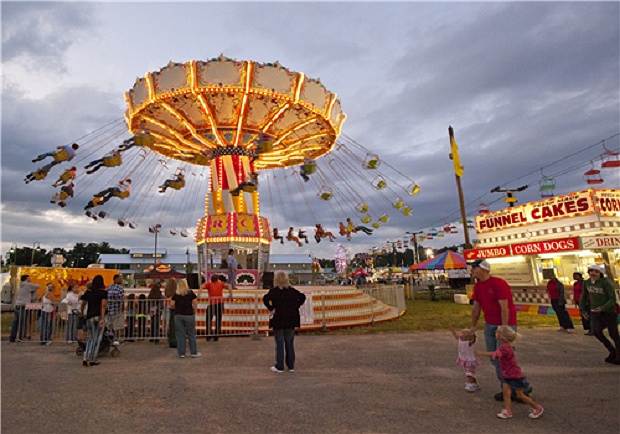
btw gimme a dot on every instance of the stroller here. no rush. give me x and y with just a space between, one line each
107 342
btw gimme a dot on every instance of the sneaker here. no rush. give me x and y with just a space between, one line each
197 355
572 331
116 343
291 370
561 329
589 333
48 343
274 369
472 387
535 414
505 415
183 356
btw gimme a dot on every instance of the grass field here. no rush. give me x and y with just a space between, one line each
421 315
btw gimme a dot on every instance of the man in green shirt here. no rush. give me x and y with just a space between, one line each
603 310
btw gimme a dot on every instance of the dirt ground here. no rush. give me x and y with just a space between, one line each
391 383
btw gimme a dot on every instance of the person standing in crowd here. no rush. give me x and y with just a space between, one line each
169 291
115 319
602 313
141 314
492 296
515 381
215 289
555 290
47 312
25 294
96 298
131 318
156 307
184 302
577 289
232 268
283 302
72 300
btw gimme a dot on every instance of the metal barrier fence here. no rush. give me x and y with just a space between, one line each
216 317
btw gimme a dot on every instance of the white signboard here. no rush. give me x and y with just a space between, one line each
515 273
306 311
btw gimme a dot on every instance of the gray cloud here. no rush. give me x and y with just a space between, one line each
523 84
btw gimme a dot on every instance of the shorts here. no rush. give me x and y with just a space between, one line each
518 383
115 322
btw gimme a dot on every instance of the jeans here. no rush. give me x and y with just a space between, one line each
71 331
46 326
231 278
600 321
562 314
216 310
284 341
185 325
172 335
155 320
492 344
20 319
95 332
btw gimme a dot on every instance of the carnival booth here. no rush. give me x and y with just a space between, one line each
560 235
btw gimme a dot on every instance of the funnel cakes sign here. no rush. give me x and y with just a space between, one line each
581 203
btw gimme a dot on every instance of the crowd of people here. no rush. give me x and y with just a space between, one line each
99 308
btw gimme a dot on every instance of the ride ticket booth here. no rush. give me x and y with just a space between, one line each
560 235
247 234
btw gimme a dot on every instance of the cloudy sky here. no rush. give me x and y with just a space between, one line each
531 90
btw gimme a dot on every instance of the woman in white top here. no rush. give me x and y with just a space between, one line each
72 300
46 314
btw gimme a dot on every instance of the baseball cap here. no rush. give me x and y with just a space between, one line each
598 268
480 263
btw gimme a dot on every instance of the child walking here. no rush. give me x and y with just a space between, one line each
467 358
511 373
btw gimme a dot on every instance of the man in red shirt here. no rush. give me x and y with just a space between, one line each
493 297
215 288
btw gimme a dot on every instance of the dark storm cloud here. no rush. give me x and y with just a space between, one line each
36 33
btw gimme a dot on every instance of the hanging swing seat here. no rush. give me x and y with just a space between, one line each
177 185
384 218
112 161
362 207
122 194
371 162
325 193
399 204
610 160
483 208
593 177
379 183
366 219
143 138
407 211
413 189
309 166
376 225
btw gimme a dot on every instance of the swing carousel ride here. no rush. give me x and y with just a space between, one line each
224 127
